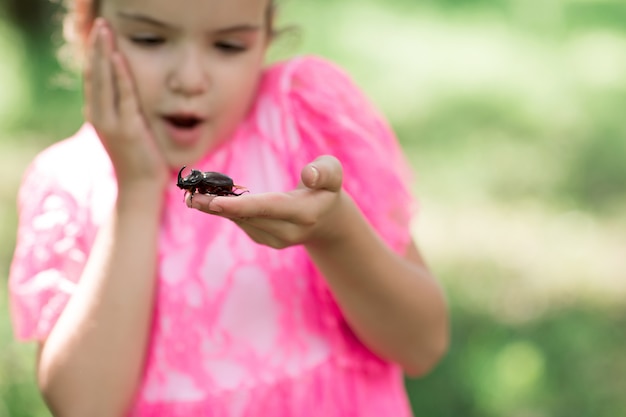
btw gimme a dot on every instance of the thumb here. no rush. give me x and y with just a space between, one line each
325 172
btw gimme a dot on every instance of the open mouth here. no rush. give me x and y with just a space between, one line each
184 122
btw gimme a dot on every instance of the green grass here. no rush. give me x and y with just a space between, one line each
512 119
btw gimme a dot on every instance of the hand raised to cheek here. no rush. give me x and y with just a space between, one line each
309 213
113 108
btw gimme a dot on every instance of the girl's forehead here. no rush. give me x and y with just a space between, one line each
206 13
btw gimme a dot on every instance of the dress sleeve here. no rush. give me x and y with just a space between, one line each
49 255
332 116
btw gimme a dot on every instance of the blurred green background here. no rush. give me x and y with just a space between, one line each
512 115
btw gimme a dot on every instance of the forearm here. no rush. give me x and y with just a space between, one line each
395 306
92 360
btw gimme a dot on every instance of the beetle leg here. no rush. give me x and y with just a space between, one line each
185 196
242 190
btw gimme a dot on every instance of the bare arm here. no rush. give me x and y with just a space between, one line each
392 302
91 362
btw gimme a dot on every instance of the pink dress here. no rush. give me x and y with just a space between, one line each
239 329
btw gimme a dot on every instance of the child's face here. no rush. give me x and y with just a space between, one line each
195 64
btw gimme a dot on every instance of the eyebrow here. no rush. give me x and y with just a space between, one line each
152 21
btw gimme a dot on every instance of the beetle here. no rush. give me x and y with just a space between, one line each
208 182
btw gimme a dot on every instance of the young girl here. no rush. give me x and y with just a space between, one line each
303 297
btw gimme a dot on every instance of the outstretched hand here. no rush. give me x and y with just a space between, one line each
113 108
309 213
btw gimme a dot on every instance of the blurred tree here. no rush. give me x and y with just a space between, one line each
32 17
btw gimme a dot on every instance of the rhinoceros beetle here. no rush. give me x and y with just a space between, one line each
208 182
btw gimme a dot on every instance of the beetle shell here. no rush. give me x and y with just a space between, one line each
208 182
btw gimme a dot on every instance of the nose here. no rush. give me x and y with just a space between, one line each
188 75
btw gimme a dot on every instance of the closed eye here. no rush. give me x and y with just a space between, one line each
230 48
147 41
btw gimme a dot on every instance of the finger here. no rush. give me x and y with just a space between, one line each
101 94
200 202
88 72
260 228
282 206
274 230
325 172
87 94
127 104
261 236
110 92
263 206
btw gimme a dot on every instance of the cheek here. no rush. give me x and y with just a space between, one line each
147 79
241 82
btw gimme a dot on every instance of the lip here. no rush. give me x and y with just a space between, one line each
184 136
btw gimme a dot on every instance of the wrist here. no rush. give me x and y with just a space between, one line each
341 226
140 196
140 179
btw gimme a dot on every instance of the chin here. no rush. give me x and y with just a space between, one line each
176 158
176 162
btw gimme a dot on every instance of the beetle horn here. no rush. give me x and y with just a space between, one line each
180 178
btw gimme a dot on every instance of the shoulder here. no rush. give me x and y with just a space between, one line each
305 64
311 92
78 156
329 114
300 91
54 230
69 167
80 150
306 73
